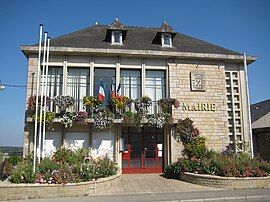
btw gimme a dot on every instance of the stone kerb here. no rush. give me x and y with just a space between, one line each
30 191
226 182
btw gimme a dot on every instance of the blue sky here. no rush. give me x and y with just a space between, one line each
241 25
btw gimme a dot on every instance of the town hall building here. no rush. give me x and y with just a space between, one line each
208 81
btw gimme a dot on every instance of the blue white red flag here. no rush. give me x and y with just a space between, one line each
112 89
101 92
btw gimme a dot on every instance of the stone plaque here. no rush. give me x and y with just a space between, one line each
197 80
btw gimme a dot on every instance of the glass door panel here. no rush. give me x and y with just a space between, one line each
144 149
135 149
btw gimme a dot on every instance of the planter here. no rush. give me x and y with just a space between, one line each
226 182
30 191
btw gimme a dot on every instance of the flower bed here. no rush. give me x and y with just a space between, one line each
30 191
65 166
198 159
226 182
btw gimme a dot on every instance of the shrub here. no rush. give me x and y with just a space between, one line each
47 165
196 148
199 159
172 171
64 155
65 166
185 131
105 167
23 173
14 160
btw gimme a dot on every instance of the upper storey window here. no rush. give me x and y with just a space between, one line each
167 34
117 37
166 40
117 32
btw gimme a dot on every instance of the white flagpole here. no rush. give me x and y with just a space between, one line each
45 101
248 103
41 96
37 94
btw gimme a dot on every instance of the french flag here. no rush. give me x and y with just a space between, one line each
112 89
101 92
118 92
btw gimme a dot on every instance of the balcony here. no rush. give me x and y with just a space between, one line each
119 109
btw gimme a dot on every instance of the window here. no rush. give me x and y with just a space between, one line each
131 83
54 84
107 75
155 87
78 85
166 40
117 37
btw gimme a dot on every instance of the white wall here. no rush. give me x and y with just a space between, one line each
52 142
103 144
76 140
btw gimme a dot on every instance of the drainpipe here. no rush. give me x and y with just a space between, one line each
248 105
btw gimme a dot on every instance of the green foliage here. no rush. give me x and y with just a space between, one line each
167 103
196 148
14 160
23 173
172 171
49 117
199 159
47 165
9 164
64 156
65 166
185 131
105 167
237 165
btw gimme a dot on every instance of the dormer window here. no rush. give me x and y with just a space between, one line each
165 35
117 37
166 40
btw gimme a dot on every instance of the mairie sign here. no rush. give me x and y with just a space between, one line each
198 106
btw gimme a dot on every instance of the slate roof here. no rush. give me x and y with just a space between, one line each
136 38
260 109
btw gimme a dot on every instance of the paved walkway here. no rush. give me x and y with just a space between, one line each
152 183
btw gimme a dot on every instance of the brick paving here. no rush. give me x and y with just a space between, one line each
152 183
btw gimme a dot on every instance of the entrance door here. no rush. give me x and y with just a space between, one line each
143 150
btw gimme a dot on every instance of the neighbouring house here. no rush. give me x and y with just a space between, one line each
208 81
260 118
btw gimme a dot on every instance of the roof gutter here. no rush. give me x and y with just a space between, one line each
144 53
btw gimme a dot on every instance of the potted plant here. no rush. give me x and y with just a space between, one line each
142 104
92 104
103 120
120 103
167 103
63 102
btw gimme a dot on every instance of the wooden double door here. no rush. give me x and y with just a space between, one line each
143 150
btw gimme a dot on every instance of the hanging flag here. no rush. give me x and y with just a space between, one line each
112 89
118 92
101 92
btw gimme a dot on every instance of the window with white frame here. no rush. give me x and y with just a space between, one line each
166 40
108 78
155 84
131 83
117 37
78 85
54 84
